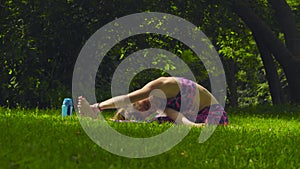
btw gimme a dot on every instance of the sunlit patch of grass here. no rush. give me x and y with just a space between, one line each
257 137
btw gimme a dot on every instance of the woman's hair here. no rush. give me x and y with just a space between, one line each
133 113
120 115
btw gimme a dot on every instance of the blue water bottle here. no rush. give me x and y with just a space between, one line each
66 108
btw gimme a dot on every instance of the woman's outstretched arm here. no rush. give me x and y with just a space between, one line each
121 101
125 100
179 118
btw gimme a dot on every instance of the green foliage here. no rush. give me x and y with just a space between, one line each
40 41
139 42
234 42
294 4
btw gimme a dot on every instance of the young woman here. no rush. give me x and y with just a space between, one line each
182 101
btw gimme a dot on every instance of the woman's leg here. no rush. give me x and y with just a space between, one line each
85 108
167 85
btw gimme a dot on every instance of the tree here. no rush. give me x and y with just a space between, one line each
288 53
271 72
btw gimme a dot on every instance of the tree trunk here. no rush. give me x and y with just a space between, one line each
293 77
289 62
271 72
231 70
288 25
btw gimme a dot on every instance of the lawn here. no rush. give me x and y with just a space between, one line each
257 137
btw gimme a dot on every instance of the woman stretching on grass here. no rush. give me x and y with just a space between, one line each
182 101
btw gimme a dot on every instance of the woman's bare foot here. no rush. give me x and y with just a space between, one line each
85 109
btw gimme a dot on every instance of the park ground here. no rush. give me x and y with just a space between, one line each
257 137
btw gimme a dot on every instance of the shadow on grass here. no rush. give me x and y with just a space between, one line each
287 112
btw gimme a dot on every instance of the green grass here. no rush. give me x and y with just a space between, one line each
257 137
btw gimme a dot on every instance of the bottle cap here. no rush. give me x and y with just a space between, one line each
67 101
